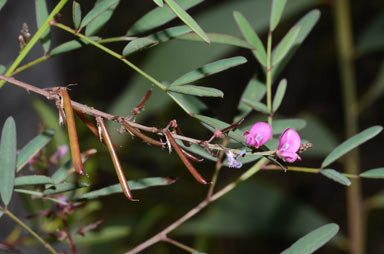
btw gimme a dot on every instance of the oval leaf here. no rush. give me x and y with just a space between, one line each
197 91
187 19
279 95
306 24
7 160
251 37
70 45
212 124
209 69
220 39
41 15
153 39
76 14
190 104
350 144
159 16
256 105
98 16
159 3
33 147
133 185
285 45
64 187
276 12
314 240
377 173
32 179
335 176
254 91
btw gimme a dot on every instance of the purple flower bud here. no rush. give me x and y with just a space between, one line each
289 144
259 134
60 153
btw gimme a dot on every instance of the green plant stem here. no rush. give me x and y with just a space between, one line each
26 227
346 65
162 234
33 40
218 166
31 64
110 52
116 39
306 170
269 77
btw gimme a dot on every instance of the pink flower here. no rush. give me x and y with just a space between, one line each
259 134
60 153
289 144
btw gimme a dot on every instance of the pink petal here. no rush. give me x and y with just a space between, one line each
289 141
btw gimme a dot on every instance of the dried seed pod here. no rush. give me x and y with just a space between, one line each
115 159
72 133
184 159
138 134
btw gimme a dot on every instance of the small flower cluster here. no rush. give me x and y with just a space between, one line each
259 134
289 143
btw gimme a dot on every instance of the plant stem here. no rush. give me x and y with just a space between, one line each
345 58
179 244
159 236
218 166
33 40
306 170
30 64
110 52
269 77
26 227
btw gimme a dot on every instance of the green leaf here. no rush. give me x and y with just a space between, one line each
76 14
64 187
104 236
62 173
350 144
335 176
306 24
159 16
41 15
33 147
294 123
32 180
251 37
190 104
159 3
314 240
209 69
279 95
2 69
187 19
212 124
372 38
7 160
256 105
276 12
98 16
70 45
220 39
254 92
154 39
2 3
377 173
201 91
133 185
285 45
40 195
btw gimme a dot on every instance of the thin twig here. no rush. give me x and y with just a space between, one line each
26 227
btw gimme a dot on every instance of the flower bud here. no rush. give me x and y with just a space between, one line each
258 135
289 144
